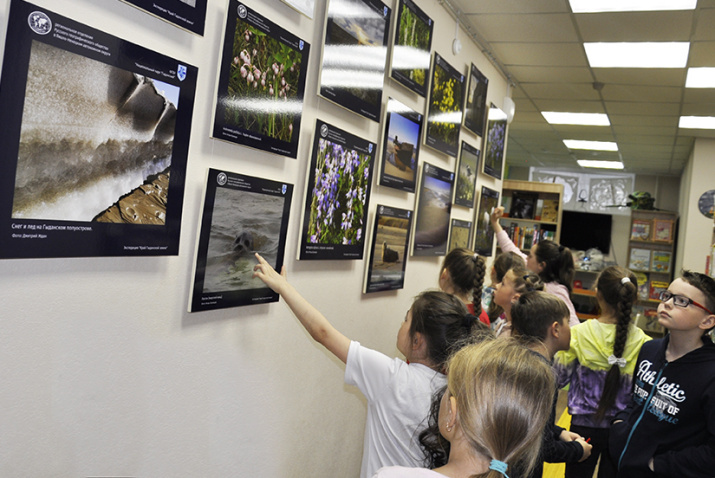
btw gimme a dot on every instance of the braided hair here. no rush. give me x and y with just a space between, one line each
466 270
618 288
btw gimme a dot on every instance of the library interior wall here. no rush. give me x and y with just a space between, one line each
105 373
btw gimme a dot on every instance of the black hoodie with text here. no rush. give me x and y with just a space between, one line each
671 416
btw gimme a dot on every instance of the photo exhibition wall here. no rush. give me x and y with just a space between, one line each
150 149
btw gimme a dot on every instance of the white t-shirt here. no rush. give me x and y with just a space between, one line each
402 472
398 402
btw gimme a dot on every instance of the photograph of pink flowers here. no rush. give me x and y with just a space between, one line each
495 142
390 239
337 195
400 147
432 211
355 55
475 111
242 215
413 44
187 14
444 108
460 234
484 234
467 168
261 83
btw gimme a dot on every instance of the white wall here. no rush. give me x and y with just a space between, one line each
104 373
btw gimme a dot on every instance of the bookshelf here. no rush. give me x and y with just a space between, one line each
532 212
651 257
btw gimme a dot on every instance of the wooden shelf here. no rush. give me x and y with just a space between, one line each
586 292
528 221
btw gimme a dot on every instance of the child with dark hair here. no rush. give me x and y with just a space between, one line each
551 261
500 266
668 428
540 320
515 282
462 275
398 392
599 366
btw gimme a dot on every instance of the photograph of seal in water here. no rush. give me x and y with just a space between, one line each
390 239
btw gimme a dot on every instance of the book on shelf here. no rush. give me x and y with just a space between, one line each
643 286
663 230
656 287
640 259
506 204
550 211
539 209
647 319
660 261
640 230
523 204
525 237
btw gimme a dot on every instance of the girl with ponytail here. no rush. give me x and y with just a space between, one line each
599 366
462 275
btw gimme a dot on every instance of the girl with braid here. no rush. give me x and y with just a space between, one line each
517 281
462 275
599 366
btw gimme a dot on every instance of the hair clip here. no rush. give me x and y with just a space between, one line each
613 360
474 258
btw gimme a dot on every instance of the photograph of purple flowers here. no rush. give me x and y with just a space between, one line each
413 44
400 147
495 142
460 234
432 212
444 110
475 111
337 196
484 234
467 168
261 83
390 240
355 55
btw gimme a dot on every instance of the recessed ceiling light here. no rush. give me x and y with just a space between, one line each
591 145
596 6
637 55
700 78
697 122
591 163
589 119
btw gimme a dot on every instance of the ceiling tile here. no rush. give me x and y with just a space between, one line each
540 54
539 74
642 108
702 53
664 94
640 76
644 121
564 91
704 28
534 27
513 6
635 26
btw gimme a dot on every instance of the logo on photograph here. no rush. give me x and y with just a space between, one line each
419 117
300 45
369 148
384 11
242 12
408 213
324 130
39 23
284 188
221 179
181 72
382 209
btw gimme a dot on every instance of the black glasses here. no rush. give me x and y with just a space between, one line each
681 300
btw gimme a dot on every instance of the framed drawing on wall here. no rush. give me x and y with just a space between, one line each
388 249
400 147
467 168
355 81
187 14
444 110
337 195
663 230
259 102
495 142
99 170
413 44
432 211
475 111
241 215
484 234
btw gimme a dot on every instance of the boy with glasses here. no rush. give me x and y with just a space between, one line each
669 427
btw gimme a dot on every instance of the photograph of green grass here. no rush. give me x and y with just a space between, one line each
411 52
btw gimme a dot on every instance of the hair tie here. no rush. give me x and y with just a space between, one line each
499 466
620 361
561 248
474 257
468 320
625 280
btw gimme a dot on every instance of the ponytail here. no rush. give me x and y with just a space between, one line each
558 263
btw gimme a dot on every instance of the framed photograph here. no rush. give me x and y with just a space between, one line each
640 230
388 249
460 234
259 101
444 110
663 230
71 185
355 81
494 143
400 147
241 215
661 261
523 205
639 259
306 7
337 195
413 44
484 234
467 167
475 110
432 211
187 14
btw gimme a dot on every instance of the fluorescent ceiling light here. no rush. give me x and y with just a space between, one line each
589 119
596 6
697 122
591 163
591 145
700 78
637 55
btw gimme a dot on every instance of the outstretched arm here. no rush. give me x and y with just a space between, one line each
314 322
494 217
